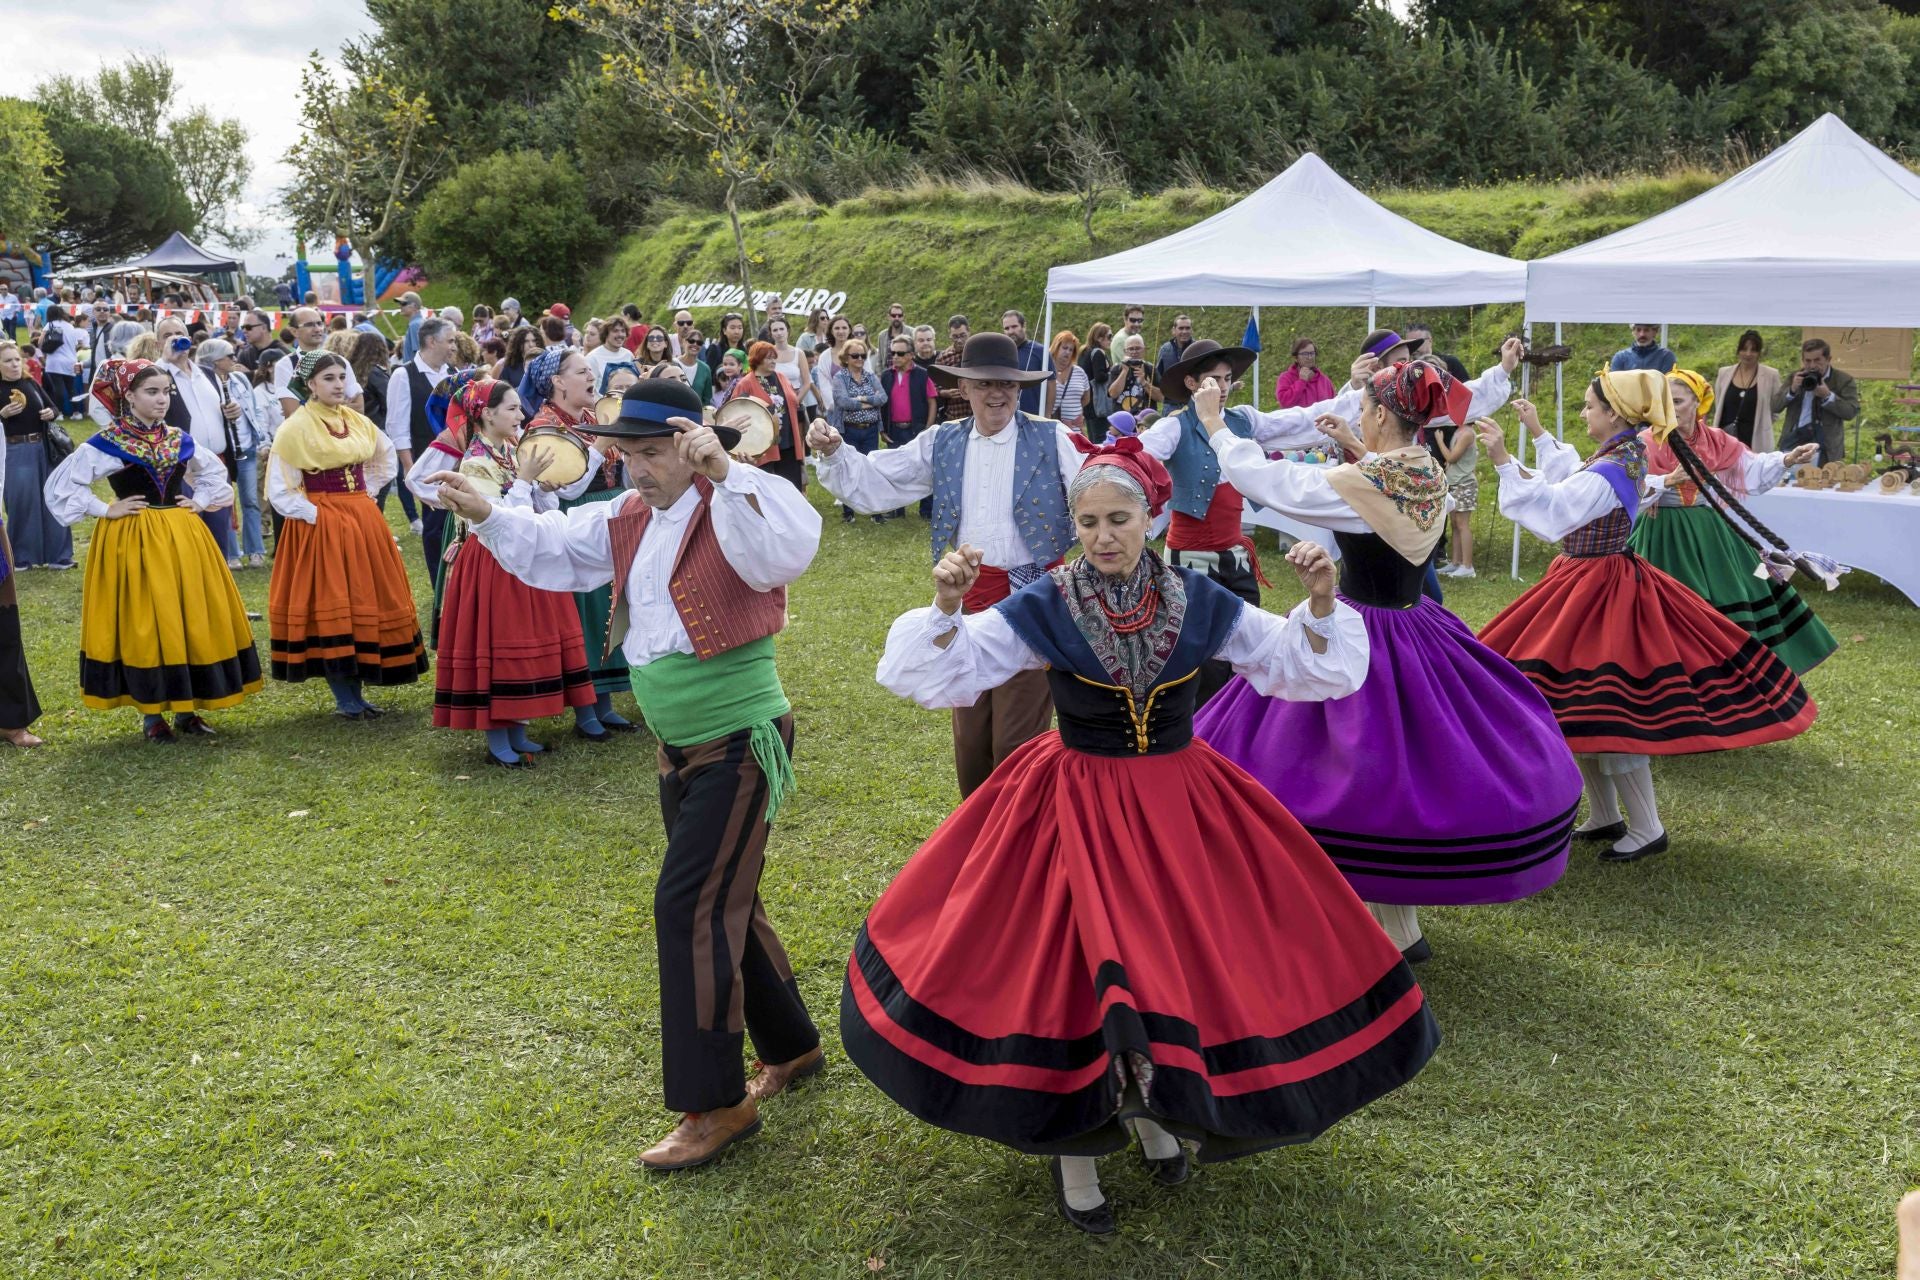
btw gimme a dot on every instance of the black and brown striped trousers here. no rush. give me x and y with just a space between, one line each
723 972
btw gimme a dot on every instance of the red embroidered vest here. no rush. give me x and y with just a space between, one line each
719 610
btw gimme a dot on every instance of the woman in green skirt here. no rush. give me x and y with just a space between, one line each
1685 534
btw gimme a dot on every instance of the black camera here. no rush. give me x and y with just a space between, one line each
1810 378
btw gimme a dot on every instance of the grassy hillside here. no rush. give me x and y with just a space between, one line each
979 248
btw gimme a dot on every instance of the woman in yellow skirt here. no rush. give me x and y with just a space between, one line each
162 627
339 607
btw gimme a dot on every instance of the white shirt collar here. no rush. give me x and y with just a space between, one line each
683 507
420 363
1002 436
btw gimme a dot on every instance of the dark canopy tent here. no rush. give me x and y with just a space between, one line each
183 257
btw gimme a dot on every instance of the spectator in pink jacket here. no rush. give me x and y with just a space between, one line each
1301 383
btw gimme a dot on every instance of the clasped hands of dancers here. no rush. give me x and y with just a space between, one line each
1052 969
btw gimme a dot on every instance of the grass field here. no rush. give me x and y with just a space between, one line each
331 999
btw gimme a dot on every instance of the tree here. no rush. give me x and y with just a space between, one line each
138 94
366 149
1087 164
731 80
211 155
28 163
116 195
514 222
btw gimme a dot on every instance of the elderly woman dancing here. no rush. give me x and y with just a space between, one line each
1121 929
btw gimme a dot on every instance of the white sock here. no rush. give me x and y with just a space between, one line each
1155 1141
1643 814
1402 924
1603 800
1080 1182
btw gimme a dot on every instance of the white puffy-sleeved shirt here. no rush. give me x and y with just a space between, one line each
1559 497
287 492
1271 651
71 499
1273 429
891 478
1756 473
572 550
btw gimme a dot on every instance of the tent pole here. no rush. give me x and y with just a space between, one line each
1046 325
1520 444
1559 392
1370 311
1256 363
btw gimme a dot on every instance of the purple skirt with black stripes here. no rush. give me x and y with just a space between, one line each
1444 780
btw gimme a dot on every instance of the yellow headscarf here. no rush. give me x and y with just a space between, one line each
1702 392
1641 397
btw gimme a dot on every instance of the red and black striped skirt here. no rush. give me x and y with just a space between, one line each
508 651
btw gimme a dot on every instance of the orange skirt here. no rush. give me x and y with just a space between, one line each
340 605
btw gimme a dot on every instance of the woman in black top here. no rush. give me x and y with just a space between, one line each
1099 366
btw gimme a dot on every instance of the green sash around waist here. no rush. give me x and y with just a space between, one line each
687 701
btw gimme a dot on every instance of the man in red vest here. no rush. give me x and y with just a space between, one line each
699 555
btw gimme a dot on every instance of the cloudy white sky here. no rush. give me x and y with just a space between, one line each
239 59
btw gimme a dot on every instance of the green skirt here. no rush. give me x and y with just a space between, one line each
609 669
1695 545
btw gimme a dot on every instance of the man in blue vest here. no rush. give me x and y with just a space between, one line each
998 479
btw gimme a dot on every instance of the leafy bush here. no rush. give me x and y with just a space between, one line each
514 222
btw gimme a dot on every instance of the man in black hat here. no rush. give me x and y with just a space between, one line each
699 555
998 479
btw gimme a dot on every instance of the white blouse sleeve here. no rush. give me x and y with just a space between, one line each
384 465
871 483
553 550
69 489
1291 488
983 654
1491 390
1555 459
1069 457
208 477
287 492
595 460
1760 472
769 547
1162 437
432 461
1294 428
1551 509
1273 652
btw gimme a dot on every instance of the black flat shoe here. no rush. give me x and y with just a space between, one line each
602 736
1097 1221
1419 953
1171 1171
355 714
625 726
1612 831
1656 845
159 733
522 762
193 727
370 712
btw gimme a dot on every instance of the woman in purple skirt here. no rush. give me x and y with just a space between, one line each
1482 789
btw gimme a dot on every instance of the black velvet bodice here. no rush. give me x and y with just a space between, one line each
137 482
1104 720
1373 573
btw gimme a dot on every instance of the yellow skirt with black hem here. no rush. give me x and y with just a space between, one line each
162 626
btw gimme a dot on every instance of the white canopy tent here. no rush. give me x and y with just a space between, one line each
1824 231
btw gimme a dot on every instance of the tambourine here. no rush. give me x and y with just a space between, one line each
567 459
606 410
755 423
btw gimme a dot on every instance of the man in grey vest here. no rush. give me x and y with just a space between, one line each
998 479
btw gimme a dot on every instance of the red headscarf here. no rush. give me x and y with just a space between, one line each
114 380
1132 457
1418 391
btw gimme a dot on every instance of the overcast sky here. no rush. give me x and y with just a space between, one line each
237 59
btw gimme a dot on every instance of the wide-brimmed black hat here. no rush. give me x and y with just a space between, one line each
1173 383
646 406
988 357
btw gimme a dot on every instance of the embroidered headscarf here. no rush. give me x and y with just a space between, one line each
1642 397
1131 456
310 365
468 402
1418 391
537 383
114 380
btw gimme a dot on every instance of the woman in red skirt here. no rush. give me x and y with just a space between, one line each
1631 661
509 653
1121 929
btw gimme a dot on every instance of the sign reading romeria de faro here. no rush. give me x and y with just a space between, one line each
795 302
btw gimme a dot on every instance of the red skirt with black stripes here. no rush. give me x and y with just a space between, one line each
508 652
1093 937
1631 660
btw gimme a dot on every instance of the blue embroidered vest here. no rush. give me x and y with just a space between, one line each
1194 466
1039 498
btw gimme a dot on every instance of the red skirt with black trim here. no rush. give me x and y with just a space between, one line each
508 651
1631 660
1089 938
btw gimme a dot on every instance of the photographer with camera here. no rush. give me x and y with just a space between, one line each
1820 401
1132 387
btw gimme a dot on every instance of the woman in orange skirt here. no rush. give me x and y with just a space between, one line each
340 607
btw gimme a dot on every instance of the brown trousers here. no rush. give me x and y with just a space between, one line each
991 729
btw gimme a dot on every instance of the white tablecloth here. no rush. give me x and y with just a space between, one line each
1299 530
1867 530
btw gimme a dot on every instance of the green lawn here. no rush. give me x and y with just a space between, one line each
322 998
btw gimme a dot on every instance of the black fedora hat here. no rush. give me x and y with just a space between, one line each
988 357
1173 383
647 406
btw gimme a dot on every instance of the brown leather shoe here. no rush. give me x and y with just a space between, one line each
776 1076
702 1135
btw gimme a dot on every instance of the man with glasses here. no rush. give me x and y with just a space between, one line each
911 398
952 404
310 334
897 326
1135 318
682 322
99 321
256 339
